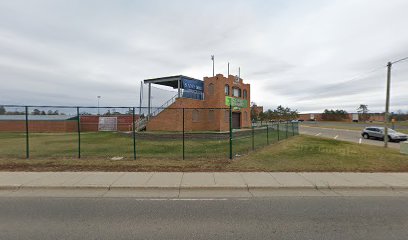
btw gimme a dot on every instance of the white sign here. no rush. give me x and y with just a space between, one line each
108 124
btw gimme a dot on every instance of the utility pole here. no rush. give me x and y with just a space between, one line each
212 58
387 104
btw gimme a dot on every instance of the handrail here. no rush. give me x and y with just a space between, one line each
143 122
159 109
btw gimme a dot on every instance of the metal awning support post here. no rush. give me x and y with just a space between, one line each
140 98
149 100
178 87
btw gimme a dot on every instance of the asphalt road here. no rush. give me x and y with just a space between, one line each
272 218
344 135
360 125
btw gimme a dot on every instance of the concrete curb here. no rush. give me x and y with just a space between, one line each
274 188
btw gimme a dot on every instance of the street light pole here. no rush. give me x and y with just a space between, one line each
387 104
99 97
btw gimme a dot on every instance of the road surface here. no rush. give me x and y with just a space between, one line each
265 218
344 135
400 126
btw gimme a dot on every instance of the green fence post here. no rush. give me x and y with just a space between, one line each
293 130
134 134
230 132
253 138
278 132
183 135
26 128
286 129
297 128
267 134
79 132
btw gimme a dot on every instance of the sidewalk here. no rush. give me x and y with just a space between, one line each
204 181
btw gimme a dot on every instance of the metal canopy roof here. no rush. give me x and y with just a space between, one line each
171 81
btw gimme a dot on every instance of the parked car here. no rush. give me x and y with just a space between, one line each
378 133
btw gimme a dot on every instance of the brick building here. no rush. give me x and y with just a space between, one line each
198 98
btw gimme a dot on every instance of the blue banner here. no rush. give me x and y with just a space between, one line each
194 85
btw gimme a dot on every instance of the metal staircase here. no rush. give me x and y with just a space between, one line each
141 123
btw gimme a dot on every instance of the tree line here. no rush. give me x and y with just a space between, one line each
279 114
3 111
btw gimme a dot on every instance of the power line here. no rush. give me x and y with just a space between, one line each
400 60
362 75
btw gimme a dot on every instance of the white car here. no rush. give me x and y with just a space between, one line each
378 132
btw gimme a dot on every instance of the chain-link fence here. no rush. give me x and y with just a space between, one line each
131 133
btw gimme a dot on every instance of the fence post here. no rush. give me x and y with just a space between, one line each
230 132
286 129
278 132
26 126
79 132
183 135
134 134
253 138
267 134
297 128
293 130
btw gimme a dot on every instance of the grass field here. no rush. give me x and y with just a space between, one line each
308 153
106 145
299 153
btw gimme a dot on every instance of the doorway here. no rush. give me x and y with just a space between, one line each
236 120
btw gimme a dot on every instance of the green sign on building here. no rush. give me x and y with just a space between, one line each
236 103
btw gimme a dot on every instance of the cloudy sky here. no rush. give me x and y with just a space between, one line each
309 55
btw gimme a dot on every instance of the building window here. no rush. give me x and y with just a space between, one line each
210 89
226 116
196 115
226 90
236 92
211 116
245 94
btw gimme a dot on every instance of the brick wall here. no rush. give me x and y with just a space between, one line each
38 126
88 124
170 119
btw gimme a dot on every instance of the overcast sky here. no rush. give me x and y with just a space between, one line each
308 55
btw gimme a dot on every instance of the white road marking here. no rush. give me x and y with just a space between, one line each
336 136
333 129
359 141
318 134
181 199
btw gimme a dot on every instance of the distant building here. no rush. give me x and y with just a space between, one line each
373 117
258 110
